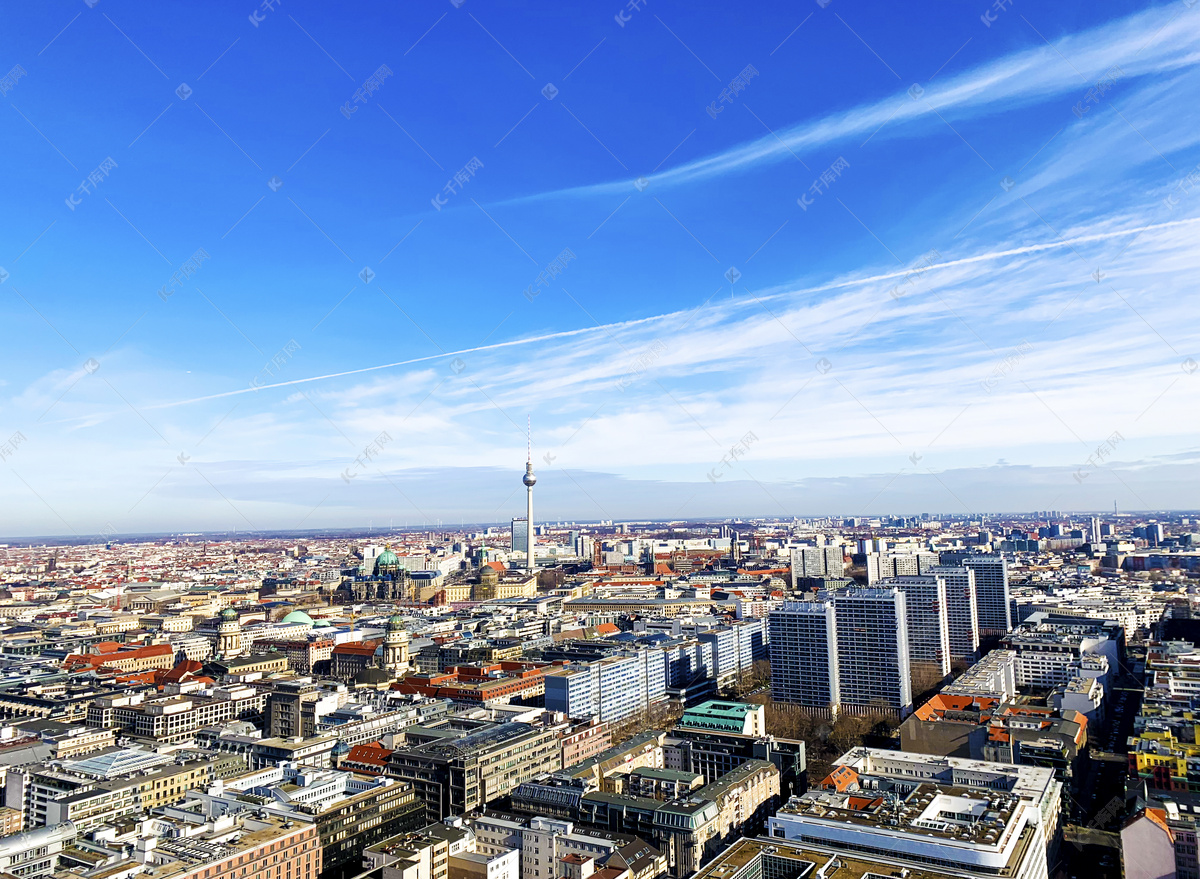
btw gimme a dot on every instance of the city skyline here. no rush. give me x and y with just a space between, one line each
270 311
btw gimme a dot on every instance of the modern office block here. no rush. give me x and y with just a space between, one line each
916 812
611 689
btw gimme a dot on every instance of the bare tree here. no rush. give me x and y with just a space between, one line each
848 731
755 677
925 677
660 716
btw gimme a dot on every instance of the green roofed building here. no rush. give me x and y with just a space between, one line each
718 715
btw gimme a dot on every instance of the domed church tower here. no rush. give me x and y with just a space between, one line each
229 634
395 646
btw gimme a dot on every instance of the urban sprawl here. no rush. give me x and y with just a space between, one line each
994 697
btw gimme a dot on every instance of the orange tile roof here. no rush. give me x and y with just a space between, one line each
943 702
1159 817
372 752
840 779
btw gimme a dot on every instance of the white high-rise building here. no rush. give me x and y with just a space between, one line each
611 689
928 629
846 650
962 610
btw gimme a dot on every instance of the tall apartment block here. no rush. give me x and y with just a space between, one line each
962 610
803 645
928 629
847 650
991 588
611 689
872 647
817 561
881 566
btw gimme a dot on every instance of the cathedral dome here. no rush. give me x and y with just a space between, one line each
387 562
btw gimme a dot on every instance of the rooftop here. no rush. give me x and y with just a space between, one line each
792 861
718 714
972 815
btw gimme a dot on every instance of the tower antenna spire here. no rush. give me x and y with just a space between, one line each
530 480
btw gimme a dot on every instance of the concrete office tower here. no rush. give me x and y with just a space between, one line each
872 649
928 631
1095 535
962 611
520 534
803 650
807 561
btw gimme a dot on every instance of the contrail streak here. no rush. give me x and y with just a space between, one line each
509 344
997 254
566 334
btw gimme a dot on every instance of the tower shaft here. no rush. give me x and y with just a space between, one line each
530 480
529 528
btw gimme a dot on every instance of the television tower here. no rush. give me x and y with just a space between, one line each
530 481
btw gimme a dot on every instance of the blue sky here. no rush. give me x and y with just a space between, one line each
815 260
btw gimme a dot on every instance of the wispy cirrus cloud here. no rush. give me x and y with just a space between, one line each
1157 41
862 399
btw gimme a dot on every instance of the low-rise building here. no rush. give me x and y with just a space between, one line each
176 716
777 859
546 843
972 817
35 853
457 771
351 812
